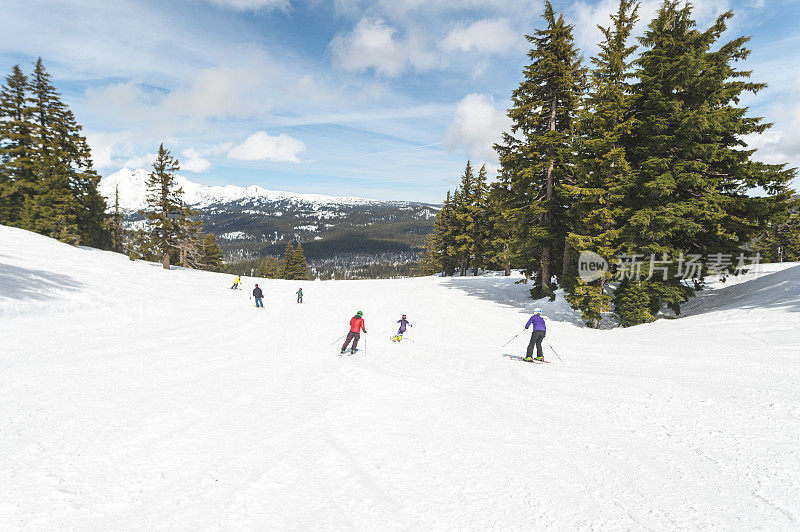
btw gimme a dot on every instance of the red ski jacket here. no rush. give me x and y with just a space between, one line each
357 324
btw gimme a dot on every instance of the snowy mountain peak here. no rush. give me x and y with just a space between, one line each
133 192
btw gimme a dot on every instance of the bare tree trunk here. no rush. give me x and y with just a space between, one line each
165 260
566 259
545 263
545 268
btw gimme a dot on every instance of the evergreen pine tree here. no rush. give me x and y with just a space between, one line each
692 170
189 237
299 268
537 156
17 178
779 241
444 231
501 250
462 221
48 165
164 204
115 225
632 303
478 220
288 261
431 260
270 268
211 254
603 170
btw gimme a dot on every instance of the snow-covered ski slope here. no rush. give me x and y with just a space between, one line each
137 398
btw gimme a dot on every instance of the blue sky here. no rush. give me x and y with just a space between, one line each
384 99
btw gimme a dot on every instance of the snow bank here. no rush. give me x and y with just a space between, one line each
133 397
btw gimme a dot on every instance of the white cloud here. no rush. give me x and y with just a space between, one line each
373 45
477 124
489 36
237 90
102 149
194 162
254 5
141 161
261 146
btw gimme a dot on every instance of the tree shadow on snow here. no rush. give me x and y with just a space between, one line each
30 283
505 291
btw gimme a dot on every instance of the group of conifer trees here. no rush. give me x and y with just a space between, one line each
292 266
174 231
640 154
47 183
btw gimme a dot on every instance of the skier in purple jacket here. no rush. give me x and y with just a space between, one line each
539 331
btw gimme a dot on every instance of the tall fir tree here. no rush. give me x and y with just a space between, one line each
17 177
189 237
270 268
779 239
164 204
211 254
288 261
299 268
462 220
115 225
537 155
477 228
445 229
47 183
693 172
500 244
603 172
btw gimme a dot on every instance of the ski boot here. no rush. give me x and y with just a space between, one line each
343 350
527 359
539 359
353 351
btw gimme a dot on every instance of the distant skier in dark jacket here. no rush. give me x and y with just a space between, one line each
539 331
299 295
356 326
403 324
258 294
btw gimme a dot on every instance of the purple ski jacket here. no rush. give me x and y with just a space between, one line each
538 323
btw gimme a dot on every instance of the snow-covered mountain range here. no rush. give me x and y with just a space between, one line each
133 192
252 221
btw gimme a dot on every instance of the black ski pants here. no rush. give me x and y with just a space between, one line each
351 336
536 340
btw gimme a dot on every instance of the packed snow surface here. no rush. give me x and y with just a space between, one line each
133 397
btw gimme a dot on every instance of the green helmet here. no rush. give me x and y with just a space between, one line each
359 313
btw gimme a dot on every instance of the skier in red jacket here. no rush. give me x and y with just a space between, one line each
356 326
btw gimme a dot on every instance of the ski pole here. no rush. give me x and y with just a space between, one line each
505 344
342 336
554 351
365 343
